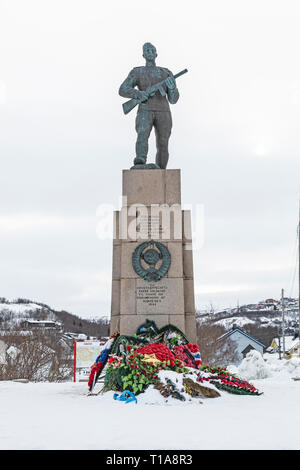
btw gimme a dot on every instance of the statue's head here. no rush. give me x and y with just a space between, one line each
149 51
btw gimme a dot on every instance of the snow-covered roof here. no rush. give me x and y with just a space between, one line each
40 322
290 342
238 330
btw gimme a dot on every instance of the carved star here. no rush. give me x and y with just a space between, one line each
151 358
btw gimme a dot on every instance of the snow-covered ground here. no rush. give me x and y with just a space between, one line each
17 308
62 416
237 321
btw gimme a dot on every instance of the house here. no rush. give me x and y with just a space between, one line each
41 324
243 343
294 351
292 346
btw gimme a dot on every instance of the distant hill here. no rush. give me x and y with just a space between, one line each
265 313
262 320
13 313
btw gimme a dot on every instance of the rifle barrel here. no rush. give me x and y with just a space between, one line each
180 73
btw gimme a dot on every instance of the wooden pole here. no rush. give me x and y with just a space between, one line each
299 274
283 322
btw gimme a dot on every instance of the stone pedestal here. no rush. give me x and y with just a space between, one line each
151 212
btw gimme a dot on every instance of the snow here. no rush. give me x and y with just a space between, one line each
82 337
19 308
290 342
253 366
261 314
237 321
12 352
282 367
264 321
153 396
62 416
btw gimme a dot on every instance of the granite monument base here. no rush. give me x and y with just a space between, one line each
152 274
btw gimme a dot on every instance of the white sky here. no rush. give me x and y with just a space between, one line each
64 141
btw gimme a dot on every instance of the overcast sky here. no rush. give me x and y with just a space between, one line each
64 141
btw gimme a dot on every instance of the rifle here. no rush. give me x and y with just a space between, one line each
151 90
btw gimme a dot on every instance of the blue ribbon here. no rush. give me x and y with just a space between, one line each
126 396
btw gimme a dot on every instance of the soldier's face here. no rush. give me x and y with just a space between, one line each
149 52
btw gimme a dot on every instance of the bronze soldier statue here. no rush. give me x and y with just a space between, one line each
156 87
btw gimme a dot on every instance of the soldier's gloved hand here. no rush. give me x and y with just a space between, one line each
170 82
143 96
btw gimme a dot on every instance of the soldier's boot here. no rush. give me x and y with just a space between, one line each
139 160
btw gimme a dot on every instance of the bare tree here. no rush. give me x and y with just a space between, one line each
264 334
38 356
215 351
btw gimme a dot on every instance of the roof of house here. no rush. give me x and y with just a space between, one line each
239 330
290 342
41 322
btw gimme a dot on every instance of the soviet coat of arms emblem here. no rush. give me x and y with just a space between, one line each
151 260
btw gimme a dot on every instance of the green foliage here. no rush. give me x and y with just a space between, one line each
174 341
148 328
111 380
214 370
122 340
144 337
235 391
172 328
139 374
133 373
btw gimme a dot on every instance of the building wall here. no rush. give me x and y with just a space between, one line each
241 342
